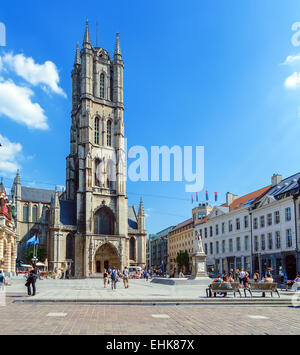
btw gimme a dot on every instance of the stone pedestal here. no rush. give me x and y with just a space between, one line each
199 266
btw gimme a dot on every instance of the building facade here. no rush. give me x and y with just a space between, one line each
255 231
181 238
8 234
90 224
158 249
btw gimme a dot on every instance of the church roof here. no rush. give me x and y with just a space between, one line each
132 218
68 213
36 195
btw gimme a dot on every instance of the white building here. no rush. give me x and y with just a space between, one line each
255 231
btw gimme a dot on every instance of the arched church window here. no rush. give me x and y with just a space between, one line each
132 248
98 172
109 133
97 131
47 215
104 221
102 86
34 213
25 213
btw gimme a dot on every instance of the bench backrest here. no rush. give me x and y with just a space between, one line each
268 286
225 286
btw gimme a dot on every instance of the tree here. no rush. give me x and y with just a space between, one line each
41 254
183 260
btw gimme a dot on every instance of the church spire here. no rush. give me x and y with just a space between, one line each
77 55
117 47
141 208
86 39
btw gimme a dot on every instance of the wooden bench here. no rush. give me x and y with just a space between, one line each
262 287
223 287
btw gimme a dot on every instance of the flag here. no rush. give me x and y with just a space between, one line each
192 199
33 241
216 196
197 196
206 195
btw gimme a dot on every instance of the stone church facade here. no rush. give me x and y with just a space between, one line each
89 225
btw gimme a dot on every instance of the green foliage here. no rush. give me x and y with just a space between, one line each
183 261
41 254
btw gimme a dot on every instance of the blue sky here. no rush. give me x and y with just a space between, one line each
196 73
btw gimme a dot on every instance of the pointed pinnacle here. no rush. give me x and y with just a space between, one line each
117 47
77 55
87 34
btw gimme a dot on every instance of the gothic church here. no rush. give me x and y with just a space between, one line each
89 226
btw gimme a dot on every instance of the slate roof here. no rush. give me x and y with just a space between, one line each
36 195
68 213
286 185
132 218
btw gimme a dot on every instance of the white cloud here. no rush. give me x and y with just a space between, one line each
292 59
293 81
36 74
10 153
15 103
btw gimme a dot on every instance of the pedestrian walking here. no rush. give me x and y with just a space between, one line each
105 278
126 277
114 278
31 280
2 280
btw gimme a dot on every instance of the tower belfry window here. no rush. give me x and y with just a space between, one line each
109 133
102 86
96 131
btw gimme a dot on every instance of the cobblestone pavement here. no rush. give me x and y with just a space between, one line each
69 319
92 289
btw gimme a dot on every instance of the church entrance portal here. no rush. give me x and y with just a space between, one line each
106 257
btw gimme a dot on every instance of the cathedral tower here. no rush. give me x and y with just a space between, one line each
95 168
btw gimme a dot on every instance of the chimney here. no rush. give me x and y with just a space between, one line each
276 179
230 198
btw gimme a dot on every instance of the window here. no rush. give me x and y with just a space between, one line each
102 86
109 133
288 216
230 226
96 130
270 241
277 217
210 231
205 248
256 243
205 232
238 224
132 249
25 213
217 229
278 240
98 172
230 245
104 221
262 221
255 225
269 219
223 228
238 243
246 242
34 213
289 240
246 222
223 246
211 248
217 247
263 242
